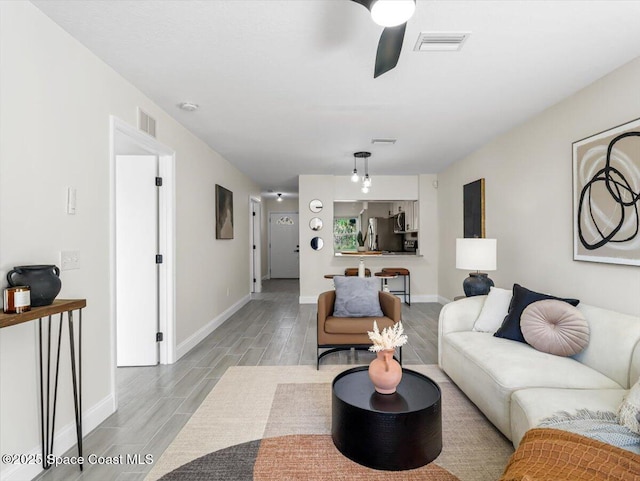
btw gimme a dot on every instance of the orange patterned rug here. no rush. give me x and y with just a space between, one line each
297 457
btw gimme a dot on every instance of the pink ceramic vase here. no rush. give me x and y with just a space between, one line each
385 372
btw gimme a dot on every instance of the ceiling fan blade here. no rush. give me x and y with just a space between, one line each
389 49
365 3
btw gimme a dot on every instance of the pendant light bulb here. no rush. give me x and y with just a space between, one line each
279 199
365 189
354 176
366 180
391 13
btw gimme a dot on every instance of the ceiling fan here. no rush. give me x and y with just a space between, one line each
393 15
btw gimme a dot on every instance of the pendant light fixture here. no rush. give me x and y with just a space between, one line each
354 177
366 180
279 199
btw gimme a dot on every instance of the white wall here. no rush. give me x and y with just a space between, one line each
327 188
56 99
529 199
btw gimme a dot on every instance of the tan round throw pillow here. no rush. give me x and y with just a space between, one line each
555 327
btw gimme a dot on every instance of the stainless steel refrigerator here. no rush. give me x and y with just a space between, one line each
381 236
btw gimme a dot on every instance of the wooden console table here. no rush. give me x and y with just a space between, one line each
48 418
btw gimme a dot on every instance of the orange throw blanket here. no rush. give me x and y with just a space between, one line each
546 454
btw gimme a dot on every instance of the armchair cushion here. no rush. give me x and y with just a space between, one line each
356 297
349 331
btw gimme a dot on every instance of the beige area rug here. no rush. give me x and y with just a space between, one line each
250 403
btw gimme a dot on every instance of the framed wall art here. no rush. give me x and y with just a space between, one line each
473 205
606 196
224 213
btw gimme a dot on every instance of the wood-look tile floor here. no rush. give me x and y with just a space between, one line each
154 403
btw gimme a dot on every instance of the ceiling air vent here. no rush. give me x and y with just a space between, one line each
441 41
146 123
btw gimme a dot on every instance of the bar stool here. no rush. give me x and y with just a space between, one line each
353 271
406 281
384 278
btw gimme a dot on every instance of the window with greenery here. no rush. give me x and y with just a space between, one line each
345 232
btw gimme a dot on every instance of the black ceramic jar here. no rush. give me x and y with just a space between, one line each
43 280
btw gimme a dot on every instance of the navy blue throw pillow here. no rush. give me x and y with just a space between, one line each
522 297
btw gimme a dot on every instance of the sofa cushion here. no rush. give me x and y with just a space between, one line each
530 406
522 297
356 297
555 327
629 410
614 338
517 365
494 310
490 369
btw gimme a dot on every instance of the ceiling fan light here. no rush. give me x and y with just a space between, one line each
391 13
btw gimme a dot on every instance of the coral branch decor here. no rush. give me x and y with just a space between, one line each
384 371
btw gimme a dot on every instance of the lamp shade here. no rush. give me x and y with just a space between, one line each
476 254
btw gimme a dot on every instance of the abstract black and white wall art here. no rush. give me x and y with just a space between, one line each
606 196
224 213
473 207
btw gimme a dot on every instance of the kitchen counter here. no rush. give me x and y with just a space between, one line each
376 254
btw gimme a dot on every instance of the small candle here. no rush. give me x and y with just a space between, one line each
17 299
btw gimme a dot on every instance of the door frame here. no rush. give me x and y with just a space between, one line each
120 130
269 236
255 239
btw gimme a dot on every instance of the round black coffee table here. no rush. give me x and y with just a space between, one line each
386 431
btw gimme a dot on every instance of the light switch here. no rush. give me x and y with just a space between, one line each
69 260
71 200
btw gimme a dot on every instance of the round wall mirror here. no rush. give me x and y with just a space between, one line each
315 205
315 223
317 243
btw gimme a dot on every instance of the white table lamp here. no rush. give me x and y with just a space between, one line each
476 255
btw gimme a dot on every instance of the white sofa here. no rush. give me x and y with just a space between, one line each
516 386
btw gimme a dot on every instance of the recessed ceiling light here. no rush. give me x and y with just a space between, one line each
188 106
383 141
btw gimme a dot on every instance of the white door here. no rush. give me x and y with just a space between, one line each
136 268
284 245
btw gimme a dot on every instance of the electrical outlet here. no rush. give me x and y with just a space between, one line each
69 260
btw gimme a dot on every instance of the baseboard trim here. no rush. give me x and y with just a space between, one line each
414 298
443 300
422 298
64 439
307 299
211 326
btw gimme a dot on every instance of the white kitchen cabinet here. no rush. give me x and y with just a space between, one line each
408 215
415 223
